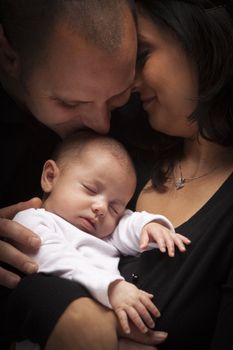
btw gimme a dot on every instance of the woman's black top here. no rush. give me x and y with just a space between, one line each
194 290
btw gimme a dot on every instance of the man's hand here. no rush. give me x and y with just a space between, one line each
129 302
13 237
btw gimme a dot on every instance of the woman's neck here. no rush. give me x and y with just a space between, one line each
201 156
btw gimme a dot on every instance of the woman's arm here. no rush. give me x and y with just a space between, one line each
86 324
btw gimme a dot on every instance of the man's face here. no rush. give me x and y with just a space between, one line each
78 84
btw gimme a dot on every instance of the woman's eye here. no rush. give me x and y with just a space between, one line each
142 58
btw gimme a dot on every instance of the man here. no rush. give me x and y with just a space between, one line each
65 64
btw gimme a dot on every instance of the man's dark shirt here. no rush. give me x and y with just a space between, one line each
25 144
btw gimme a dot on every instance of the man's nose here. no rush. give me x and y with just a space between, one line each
137 82
98 119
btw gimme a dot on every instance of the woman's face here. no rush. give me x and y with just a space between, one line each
166 80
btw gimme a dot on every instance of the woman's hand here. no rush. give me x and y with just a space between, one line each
150 338
127 344
13 237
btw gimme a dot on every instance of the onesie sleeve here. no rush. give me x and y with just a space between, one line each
127 234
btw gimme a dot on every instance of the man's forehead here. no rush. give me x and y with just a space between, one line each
73 50
88 75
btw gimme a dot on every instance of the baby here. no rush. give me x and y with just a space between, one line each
84 225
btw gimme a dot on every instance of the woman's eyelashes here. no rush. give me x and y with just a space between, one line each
142 57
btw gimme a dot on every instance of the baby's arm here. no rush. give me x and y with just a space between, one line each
129 302
165 238
138 231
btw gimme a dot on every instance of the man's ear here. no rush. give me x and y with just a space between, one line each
9 59
49 175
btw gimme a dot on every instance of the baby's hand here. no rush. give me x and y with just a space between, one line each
164 237
129 302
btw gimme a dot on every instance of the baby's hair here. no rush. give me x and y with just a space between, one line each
73 146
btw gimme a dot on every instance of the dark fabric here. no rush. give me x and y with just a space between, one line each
194 291
24 146
33 308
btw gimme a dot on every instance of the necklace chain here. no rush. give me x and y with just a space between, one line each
180 182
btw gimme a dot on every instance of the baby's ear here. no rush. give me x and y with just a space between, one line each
49 175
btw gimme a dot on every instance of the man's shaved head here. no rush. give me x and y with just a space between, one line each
28 24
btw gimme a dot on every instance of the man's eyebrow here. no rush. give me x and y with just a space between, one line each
65 99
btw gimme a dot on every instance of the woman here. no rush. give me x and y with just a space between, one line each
185 79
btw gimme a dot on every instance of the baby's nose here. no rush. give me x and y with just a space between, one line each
99 208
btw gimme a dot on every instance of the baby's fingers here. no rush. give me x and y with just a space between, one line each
144 240
180 242
184 239
135 318
170 244
161 241
145 299
123 319
145 315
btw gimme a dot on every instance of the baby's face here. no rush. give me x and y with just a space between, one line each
92 193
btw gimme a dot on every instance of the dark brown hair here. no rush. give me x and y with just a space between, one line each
205 31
